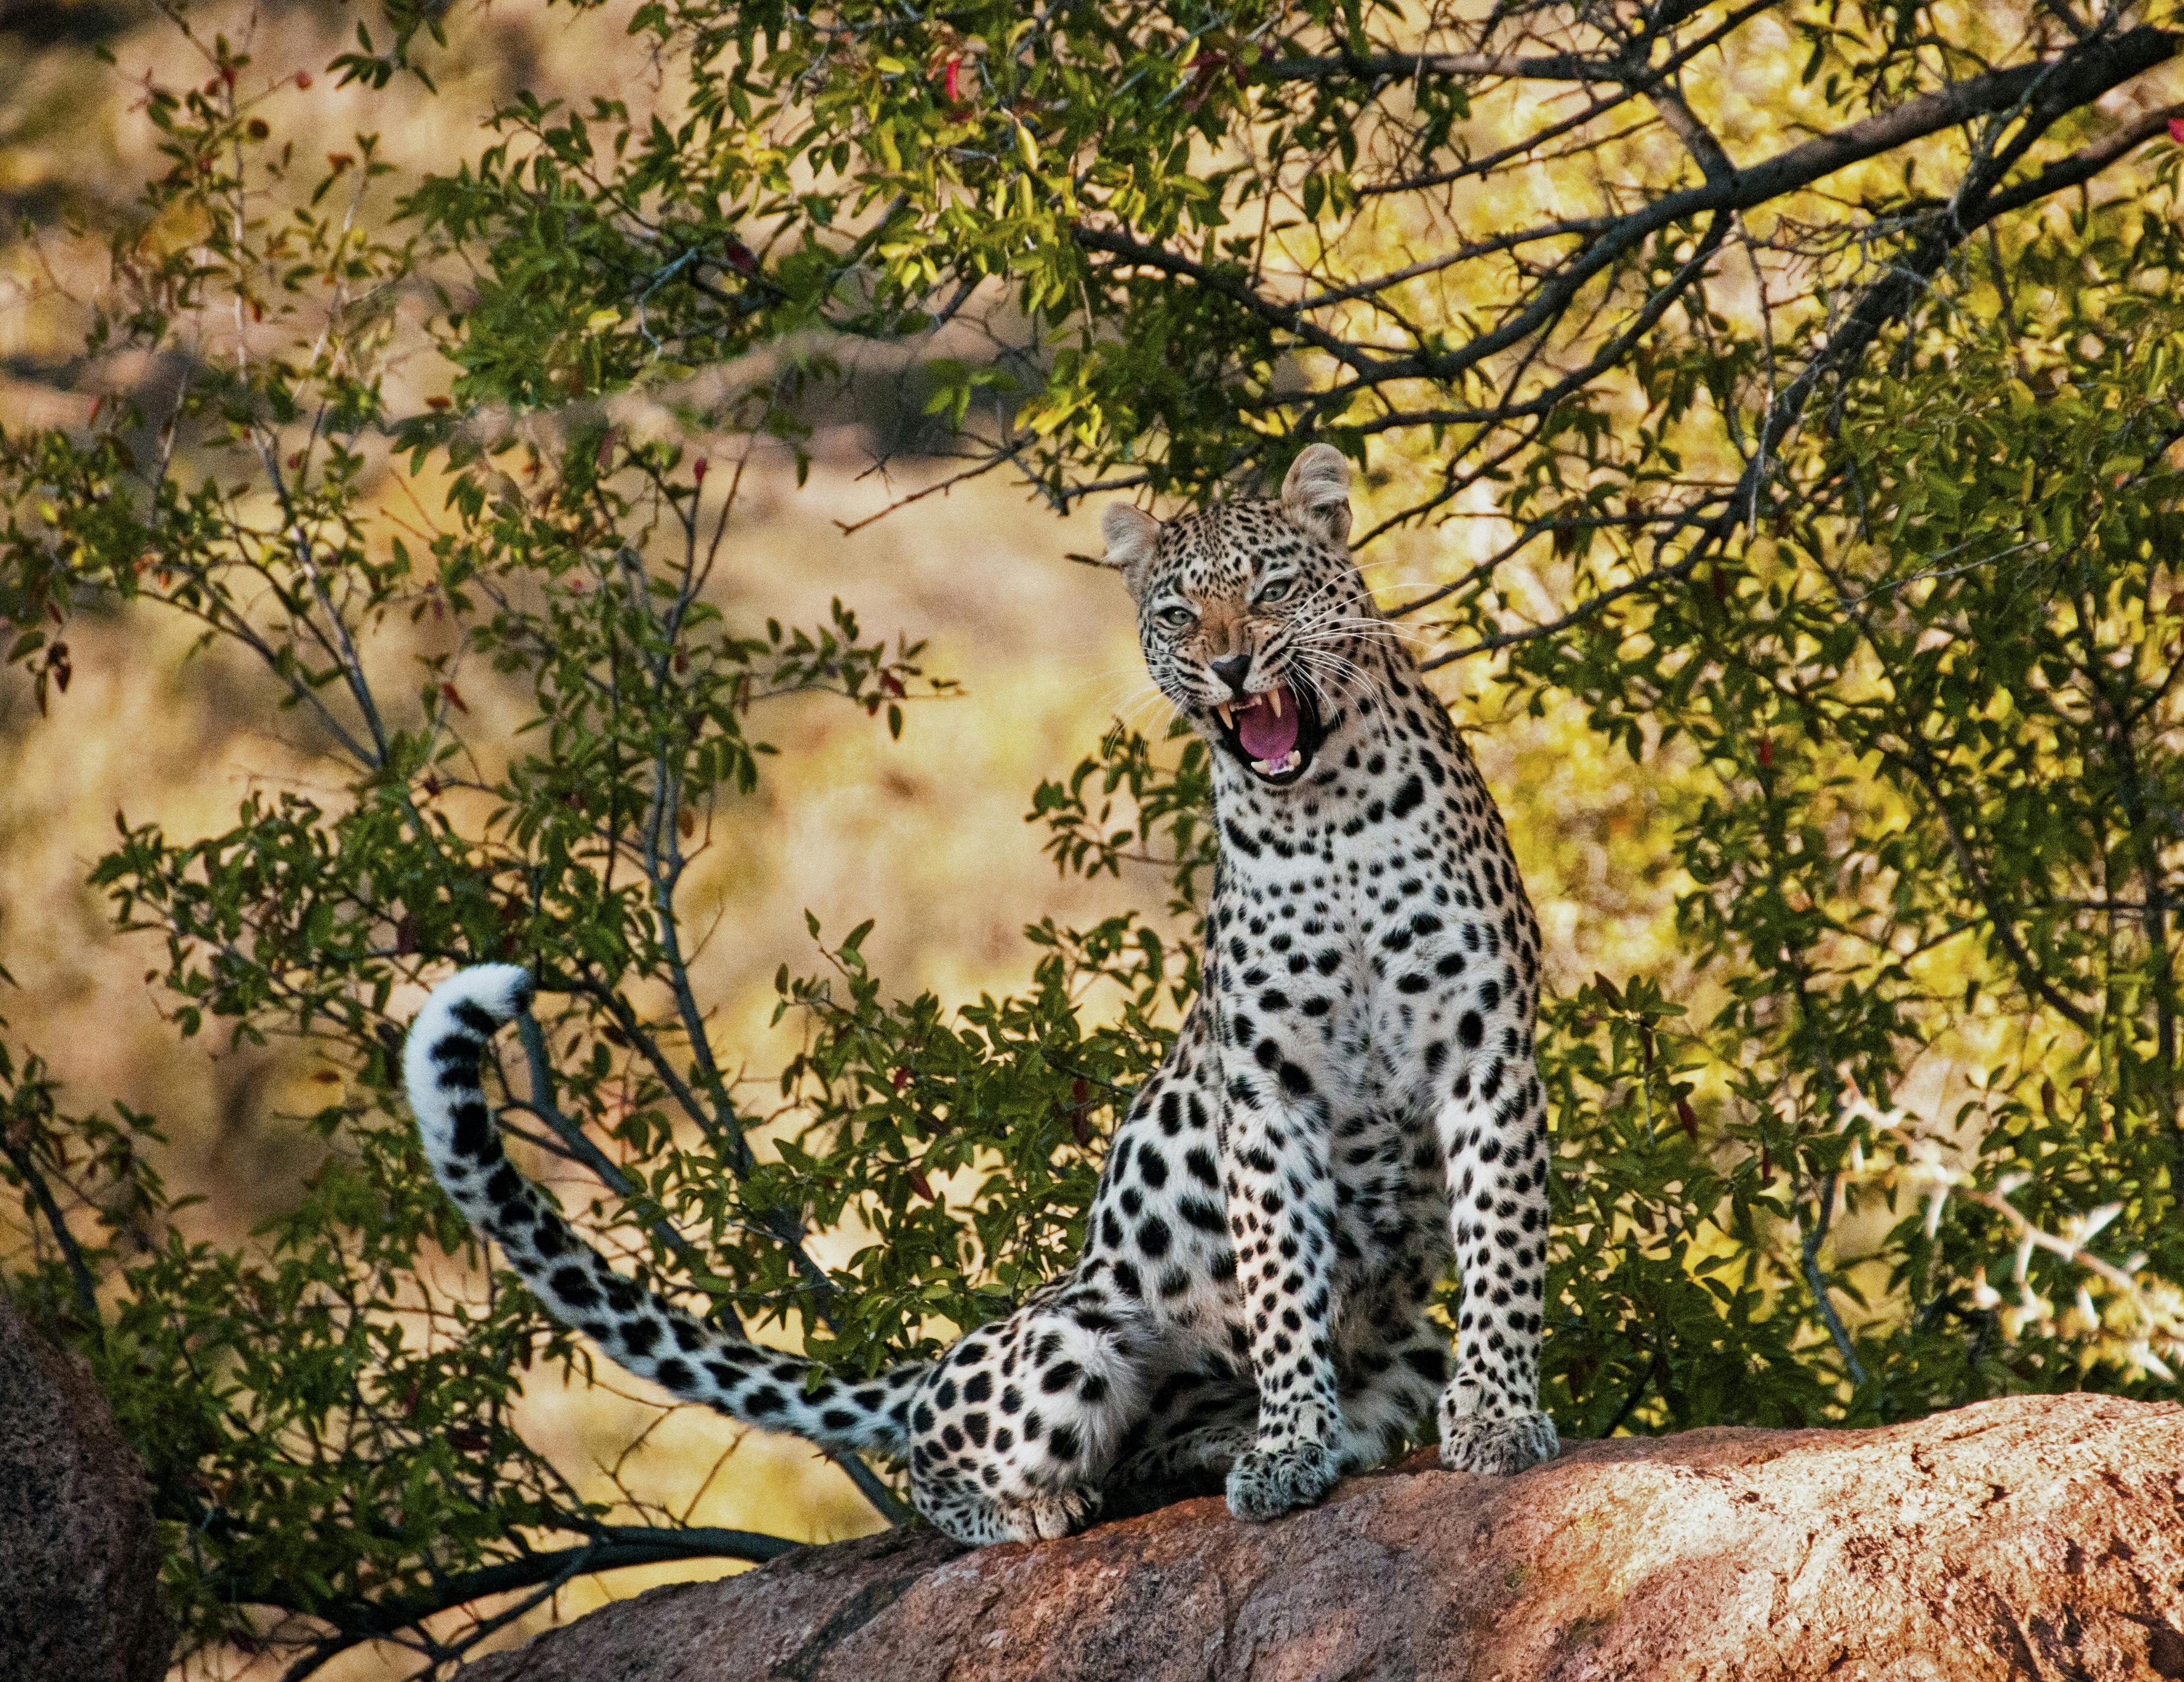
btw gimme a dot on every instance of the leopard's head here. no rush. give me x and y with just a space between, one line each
1253 615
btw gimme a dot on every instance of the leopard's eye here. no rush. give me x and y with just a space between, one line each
1176 618
1280 590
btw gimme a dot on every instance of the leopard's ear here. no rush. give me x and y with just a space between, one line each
1131 535
1316 494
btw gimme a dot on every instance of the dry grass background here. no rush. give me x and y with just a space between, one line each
927 835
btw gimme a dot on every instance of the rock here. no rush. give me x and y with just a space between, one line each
79 1556
2035 1537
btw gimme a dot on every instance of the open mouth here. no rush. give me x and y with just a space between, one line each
1275 733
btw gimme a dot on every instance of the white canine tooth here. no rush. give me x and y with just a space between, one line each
1293 761
1227 714
1274 701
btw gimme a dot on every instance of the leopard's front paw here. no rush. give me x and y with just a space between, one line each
1474 1443
1265 1483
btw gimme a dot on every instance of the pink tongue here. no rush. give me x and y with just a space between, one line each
1265 736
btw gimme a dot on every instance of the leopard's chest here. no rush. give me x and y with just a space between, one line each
1338 941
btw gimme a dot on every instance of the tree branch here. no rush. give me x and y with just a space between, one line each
612 1547
1407 66
2045 89
1882 304
542 1104
86 1290
868 1482
1808 1249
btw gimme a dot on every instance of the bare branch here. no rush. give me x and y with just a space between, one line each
612 1547
86 1289
1407 66
2039 92
542 1104
1880 305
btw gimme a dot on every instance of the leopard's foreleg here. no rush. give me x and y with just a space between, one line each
1281 1195
1494 1132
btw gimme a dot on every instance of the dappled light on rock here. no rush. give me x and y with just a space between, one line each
2030 1536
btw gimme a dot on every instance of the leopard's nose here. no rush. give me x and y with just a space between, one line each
1233 671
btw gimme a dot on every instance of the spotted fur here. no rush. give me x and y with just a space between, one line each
1350 1101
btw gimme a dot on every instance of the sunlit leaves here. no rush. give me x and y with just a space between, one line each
1934 843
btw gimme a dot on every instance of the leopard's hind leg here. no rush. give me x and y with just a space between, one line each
1014 1430
1197 1422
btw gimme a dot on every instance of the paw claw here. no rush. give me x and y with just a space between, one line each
1473 1443
1265 1485
1048 1518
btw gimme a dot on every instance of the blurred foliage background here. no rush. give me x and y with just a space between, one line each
591 484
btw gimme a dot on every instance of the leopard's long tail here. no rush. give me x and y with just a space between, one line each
635 1326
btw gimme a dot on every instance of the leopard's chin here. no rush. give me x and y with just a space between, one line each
1273 734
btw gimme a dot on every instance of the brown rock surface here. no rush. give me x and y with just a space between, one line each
2036 1537
79 1558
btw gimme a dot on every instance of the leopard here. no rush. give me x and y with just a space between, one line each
1350 1102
